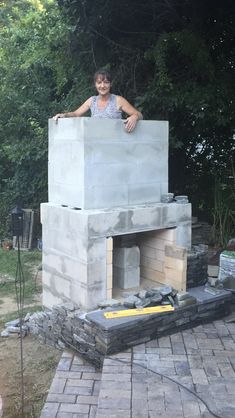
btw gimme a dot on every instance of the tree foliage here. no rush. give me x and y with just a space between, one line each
173 58
31 72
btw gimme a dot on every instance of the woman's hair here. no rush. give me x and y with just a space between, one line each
104 74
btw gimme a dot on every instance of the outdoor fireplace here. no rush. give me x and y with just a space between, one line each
104 226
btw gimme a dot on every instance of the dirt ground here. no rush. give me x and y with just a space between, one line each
40 362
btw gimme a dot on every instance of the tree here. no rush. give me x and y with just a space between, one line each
34 41
175 58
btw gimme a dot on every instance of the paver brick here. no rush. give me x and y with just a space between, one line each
75 408
68 375
199 376
140 414
226 370
87 400
50 410
164 342
212 370
109 413
182 368
114 404
80 383
67 353
89 376
191 408
57 385
96 387
117 369
93 411
64 364
178 348
109 384
120 377
115 393
139 404
77 390
82 368
202 359
60 397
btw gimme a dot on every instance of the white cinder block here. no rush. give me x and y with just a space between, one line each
126 257
126 278
110 184
94 163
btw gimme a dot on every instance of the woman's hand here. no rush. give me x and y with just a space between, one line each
130 123
59 115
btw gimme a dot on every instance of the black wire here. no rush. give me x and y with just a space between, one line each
152 371
169 378
20 292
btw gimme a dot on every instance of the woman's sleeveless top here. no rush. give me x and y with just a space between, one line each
110 110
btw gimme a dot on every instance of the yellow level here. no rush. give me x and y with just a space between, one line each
138 311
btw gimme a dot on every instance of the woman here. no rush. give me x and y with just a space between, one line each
106 105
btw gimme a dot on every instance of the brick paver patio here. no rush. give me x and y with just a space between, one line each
202 359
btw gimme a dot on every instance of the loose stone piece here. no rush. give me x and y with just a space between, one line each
109 302
130 301
5 333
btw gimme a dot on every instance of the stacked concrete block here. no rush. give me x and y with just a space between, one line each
95 163
74 247
152 250
176 267
109 267
104 182
126 267
74 266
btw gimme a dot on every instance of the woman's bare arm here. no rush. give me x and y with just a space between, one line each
80 111
134 114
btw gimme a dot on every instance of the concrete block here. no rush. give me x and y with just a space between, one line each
126 278
149 192
88 157
184 234
126 257
49 299
75 247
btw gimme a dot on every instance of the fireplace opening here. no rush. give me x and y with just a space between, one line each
144 260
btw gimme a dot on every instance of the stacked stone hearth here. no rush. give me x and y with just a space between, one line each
94 336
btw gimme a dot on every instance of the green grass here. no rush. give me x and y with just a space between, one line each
8 260
30 261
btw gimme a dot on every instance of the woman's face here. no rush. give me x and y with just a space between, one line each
102 85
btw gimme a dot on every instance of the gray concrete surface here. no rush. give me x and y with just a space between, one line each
95 163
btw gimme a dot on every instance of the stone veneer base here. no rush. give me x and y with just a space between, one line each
93 336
